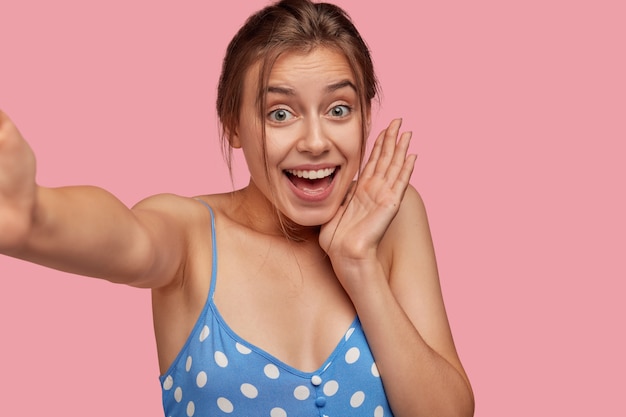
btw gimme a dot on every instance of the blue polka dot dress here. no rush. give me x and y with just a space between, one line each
217 373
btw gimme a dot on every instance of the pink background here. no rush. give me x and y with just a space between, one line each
519 116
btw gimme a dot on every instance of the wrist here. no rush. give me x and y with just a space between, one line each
357 275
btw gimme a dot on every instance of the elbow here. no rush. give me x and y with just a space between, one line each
465 405
14 237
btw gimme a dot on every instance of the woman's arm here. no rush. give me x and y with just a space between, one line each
382 253
83 230
403 315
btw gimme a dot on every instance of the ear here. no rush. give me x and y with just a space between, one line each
233 139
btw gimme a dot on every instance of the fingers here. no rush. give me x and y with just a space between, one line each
379 151
404 176
388 149
5 121
388 158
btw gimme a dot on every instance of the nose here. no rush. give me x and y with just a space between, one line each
313 139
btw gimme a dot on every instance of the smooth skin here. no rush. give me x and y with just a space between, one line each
373 255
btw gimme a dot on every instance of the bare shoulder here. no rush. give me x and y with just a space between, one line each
409 233
413 274
408 252
409 247
176 227
412 209
171 204
183 211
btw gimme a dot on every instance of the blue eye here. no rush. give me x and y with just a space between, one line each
280 115
340 111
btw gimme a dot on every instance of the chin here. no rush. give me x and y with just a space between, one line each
308 219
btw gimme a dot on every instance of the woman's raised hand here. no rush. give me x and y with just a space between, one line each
17 185
356 230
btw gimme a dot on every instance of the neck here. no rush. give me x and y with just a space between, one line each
253 209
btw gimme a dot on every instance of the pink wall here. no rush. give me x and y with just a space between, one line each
519 117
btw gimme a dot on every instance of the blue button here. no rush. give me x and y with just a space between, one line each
320 401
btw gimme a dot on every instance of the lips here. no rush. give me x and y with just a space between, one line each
312 181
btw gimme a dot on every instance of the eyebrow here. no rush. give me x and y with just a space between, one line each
287 91
339 85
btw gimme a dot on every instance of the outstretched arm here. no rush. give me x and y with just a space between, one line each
381 250
83 230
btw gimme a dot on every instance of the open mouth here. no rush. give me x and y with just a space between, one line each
311 181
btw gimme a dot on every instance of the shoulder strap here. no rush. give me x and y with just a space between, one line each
214 251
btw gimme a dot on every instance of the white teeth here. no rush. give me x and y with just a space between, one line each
311 175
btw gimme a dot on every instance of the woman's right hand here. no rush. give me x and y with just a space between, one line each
86 230
17 186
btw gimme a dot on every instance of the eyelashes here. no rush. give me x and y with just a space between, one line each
340 111
282 115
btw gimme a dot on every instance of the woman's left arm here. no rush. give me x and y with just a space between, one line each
401 308
382 253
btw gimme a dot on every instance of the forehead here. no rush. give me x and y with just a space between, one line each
319 63
320 66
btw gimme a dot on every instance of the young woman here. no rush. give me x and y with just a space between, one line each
305 293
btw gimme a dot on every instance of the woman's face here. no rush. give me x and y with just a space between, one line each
313 134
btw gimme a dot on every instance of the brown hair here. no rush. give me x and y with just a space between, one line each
287 26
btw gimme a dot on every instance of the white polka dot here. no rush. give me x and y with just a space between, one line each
278 412
225 405
204 333
242 349
201 379
249 390
191 408
331 388
188 364
375 370
301 393
349 333
220 359
357 399
271 371
178 394
379 412
352 355
168 383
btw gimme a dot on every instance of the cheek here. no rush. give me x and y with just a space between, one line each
355 152
352 144
251 137
277 146
253 153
